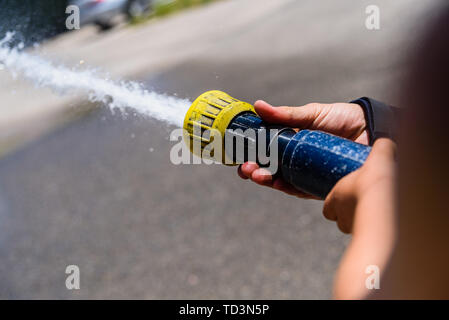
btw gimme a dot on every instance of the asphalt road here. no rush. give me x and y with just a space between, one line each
102 194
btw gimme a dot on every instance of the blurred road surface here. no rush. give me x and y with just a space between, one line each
101 192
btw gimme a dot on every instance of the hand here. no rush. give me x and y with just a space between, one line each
342 119
373 182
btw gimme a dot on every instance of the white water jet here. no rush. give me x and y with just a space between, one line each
115 95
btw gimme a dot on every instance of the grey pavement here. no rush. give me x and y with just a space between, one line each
101 192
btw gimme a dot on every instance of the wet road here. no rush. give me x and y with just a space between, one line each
102 194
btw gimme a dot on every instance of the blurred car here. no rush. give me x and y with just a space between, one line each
104 12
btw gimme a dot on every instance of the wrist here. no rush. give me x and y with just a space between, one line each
381 119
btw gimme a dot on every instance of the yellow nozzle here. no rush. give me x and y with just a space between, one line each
211 111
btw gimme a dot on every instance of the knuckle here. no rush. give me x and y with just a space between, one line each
312 105
290 113
329 207
343 227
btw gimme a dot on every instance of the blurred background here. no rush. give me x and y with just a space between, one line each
81 185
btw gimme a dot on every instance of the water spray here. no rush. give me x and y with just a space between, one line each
117 95
312 161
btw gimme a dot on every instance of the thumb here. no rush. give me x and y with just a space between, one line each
300 117
383 150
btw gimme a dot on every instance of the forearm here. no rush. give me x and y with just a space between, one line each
374 235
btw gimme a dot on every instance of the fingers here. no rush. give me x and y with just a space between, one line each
298 117
340 203
345 221
251 170
281 185
247 169
262 177
241 174
362 138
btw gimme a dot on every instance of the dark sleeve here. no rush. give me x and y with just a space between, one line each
382 120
